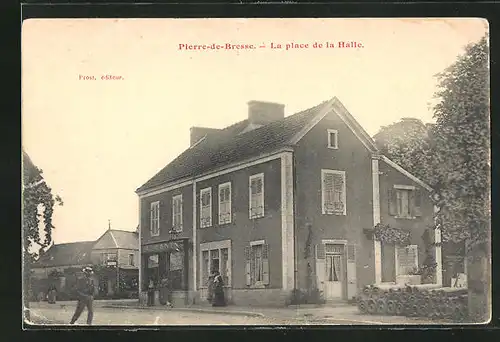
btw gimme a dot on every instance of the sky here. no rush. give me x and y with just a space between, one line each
98 140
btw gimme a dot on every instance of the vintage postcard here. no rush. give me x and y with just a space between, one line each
256 171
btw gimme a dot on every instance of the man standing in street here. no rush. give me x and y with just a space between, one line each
85 292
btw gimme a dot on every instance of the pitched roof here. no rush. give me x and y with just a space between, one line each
114 238
126 239
66 254
228 146
406 173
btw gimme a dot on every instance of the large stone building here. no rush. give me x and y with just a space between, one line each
279 203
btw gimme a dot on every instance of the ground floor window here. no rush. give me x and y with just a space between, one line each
257 263
215 256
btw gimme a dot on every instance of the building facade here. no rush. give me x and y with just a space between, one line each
278 203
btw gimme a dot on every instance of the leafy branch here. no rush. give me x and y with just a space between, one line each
391 235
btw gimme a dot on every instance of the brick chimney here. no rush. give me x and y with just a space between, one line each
262 113
197 133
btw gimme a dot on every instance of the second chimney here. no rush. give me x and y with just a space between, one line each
262 113
197 133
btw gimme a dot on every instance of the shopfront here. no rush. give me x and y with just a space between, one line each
165 261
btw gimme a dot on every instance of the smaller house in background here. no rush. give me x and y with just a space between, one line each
114 257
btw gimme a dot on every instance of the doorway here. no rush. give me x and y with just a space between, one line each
388 256
334 272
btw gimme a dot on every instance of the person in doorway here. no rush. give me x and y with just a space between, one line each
51 294
210 287
218 299
151 292
85 291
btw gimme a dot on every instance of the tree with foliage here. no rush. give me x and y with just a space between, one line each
453 157
407 142
461 147
37 209
461 162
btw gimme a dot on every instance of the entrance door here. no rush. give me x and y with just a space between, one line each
388 257
334 278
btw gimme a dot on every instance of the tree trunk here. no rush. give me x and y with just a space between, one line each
479 283
26 291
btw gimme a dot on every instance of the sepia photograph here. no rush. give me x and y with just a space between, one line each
260 172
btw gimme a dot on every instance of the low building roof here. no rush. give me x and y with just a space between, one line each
66 254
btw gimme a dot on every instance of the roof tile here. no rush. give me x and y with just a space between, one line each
228 147
67 254
126 239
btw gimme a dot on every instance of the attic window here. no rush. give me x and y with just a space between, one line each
333 141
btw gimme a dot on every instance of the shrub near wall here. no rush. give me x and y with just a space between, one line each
314 296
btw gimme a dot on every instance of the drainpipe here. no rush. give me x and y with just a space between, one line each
139 237
195 249
295 250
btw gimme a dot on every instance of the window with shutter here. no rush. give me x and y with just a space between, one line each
265 264
177 213
351 250
320 265
333 192
417 203
256 194
225 203
206 207
391 198
155 219
351 271
248 270
257 267
320 251
405 201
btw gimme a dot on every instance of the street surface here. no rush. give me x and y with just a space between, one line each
61 313
108 316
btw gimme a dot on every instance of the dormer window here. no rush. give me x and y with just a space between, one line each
333 141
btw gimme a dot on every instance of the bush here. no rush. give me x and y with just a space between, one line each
314 296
